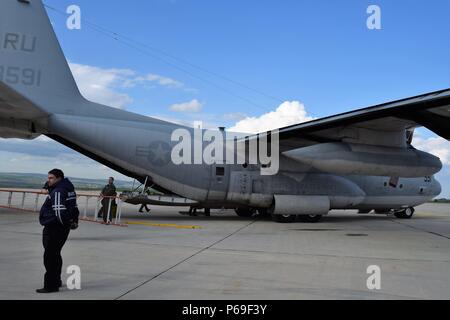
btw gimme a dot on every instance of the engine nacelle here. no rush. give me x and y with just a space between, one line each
357 159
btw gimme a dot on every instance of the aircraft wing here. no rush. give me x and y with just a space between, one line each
385 124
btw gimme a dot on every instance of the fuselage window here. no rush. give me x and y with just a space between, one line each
220 171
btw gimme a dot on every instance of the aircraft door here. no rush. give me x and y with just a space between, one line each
220 176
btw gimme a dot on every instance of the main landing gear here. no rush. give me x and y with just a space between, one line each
280 218
288 218
245 212
405 214
193 212
400 214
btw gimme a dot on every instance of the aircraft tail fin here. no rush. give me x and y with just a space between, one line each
32 63
36 84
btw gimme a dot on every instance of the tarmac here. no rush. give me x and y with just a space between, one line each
167 255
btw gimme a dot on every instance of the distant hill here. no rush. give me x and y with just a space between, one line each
443 200
36 181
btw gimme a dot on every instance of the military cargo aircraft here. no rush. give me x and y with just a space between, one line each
361 160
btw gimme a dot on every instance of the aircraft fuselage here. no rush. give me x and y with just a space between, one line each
143 149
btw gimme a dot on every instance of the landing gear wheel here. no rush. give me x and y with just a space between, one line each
263 212
192 212
405 214
245 212
284 218
310 218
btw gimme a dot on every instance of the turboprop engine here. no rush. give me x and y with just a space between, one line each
358 159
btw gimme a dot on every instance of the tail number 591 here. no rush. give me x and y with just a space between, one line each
17 75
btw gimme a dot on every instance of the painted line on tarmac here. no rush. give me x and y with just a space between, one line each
161 225
100 221
186 259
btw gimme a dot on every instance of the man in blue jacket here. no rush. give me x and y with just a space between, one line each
59 214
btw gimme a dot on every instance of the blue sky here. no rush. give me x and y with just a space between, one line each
319 53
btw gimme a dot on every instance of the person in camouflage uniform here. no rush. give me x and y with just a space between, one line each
108 191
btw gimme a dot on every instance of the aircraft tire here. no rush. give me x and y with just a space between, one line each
245 212
263 212
312 218
405 214
382 211
287 218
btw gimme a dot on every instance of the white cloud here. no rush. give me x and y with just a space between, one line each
100 85
43 154
235 116
104 85
190 107
74 165
160 80
288 113
41 139
436 145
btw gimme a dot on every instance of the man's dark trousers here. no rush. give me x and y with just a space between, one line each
53 238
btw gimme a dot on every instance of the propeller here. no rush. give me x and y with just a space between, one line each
409 136
393 181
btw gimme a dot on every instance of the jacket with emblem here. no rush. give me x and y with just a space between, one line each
60 207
